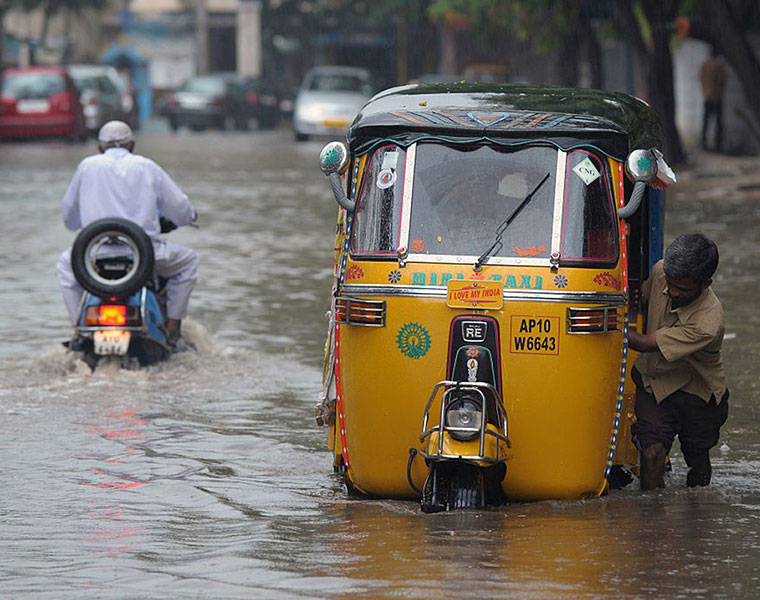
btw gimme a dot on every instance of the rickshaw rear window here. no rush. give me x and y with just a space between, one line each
463 195
589 230
378 212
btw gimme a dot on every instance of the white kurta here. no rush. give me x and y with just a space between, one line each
118 183
121 184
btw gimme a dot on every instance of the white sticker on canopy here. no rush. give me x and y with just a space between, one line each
389 160
587 171
385 179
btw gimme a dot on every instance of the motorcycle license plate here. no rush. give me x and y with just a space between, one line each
112 342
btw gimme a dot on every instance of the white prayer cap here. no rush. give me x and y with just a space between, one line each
115 132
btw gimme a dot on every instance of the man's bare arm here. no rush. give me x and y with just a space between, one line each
642 342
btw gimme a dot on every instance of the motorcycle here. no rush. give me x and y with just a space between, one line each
122 313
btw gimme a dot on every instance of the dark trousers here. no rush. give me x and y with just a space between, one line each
713 111
696 423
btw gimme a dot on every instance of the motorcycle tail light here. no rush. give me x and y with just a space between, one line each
111 315
251 97
370 313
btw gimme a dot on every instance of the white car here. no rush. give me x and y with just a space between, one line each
329 99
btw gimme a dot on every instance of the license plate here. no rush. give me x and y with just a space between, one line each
335 123
193 103
112 342
534 334
463 293
32 106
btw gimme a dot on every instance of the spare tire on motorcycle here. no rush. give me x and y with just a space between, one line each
112 257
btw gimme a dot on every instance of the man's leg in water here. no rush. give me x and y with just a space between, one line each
180 267
653 432
700 431
70 288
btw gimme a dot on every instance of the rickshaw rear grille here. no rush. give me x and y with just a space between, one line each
593 320
354 311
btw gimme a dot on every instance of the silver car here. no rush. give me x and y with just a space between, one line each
103 94
329 99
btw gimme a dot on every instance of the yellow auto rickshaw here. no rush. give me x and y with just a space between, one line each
491 243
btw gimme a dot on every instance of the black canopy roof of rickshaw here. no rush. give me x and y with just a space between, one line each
506 114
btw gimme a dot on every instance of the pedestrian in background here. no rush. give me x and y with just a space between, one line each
712 76
680 383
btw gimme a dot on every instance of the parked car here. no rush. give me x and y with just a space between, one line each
262 102
101 94
329 99
222 100
40 102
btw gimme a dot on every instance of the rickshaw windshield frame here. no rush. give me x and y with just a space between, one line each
411 227
548 229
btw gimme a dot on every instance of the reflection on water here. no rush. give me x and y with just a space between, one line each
205 477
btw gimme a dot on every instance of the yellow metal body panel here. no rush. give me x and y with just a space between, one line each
560 407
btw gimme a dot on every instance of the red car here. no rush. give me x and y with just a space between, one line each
40 102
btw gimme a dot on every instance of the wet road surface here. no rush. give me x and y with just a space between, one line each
206 478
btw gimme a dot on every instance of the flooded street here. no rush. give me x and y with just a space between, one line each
206 477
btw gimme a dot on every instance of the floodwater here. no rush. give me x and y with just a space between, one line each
206 477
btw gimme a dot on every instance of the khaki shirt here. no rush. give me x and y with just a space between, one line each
689 339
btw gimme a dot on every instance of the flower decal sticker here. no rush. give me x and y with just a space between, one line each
354 272
607 279
413 340
560 281
394 276
532 251
418 246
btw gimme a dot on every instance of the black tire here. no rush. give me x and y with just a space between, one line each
301 137
83 265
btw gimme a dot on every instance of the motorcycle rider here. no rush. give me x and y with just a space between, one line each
118 183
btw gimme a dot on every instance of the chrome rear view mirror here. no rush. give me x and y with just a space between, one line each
333 158
641 165
333 161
